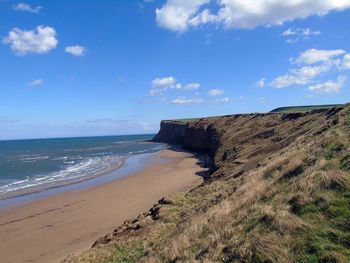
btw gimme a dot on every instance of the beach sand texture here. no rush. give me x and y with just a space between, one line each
50 229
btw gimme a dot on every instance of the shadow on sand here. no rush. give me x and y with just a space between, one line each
203 160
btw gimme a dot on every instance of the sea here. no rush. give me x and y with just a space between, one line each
28 166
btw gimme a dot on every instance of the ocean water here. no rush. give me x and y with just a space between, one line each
32 165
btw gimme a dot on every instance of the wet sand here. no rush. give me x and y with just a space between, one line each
50 229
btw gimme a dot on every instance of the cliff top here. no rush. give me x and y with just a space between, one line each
287 109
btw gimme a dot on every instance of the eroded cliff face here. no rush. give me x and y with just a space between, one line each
198 136
172 132
238 143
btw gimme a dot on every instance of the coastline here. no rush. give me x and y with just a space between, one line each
129 165
84 165
49 229
37 192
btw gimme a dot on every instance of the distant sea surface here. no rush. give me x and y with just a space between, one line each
27 165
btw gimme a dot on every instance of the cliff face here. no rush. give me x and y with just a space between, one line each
197 136
239 142
172 132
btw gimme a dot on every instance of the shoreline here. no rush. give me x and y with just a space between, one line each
35 190
129 165
50 229
69 168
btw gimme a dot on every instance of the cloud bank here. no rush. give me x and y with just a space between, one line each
180 15
311 66
162 85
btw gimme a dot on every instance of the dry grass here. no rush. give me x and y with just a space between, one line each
292 207
334 179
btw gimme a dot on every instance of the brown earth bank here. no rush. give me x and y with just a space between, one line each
279 191
48 230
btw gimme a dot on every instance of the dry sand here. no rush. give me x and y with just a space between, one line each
50 229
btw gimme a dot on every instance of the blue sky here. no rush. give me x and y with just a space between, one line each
81 68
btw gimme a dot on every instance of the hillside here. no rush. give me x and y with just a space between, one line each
305 108
279 192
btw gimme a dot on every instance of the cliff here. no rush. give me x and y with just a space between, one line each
197 136
280 192
239 142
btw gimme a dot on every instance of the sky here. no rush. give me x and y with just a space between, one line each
90 68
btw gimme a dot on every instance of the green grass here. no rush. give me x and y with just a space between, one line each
188 119
333 149
345 162
328 239
123 254
304 108
328 216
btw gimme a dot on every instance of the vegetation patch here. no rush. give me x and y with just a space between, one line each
123 254
345 162
333 149
305 108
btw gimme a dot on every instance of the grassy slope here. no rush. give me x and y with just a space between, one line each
304 108
293 207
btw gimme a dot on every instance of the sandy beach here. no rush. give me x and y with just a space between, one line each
50 229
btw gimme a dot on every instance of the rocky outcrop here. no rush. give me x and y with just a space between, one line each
172 132
198 136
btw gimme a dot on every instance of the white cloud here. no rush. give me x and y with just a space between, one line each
163 82
294 35
312 56
77 51
300 76
36 83
203 17
260 83
185 100
313 63
345 64
289 32
305 32
23 7
161 85
292 40
39 41
196 100
176 14
329 86
222 100
251 14
215 92
192 86
179 15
